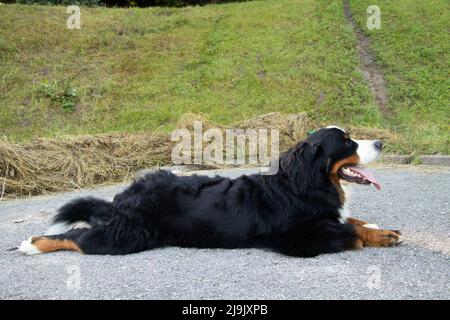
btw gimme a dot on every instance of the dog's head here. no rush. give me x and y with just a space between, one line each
331 154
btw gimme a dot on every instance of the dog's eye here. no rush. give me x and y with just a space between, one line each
347 142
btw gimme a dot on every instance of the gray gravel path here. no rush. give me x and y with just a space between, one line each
413 200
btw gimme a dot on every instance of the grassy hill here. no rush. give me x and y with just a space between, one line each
412 48
141 69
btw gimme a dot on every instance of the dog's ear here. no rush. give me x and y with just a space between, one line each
299 166
292 158
321 159
318 152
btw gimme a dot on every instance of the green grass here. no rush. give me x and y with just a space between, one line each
133 70
412 48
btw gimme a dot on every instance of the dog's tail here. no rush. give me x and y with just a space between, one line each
88 210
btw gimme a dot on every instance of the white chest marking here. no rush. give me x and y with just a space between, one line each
344 211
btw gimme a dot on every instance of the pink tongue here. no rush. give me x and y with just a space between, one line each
368 176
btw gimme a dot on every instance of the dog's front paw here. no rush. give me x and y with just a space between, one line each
400 236
382 238
378 238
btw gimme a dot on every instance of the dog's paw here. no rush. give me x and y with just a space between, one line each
27 247
387 238
378 237
400 236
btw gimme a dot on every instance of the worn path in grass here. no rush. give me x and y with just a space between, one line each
412 199
370 70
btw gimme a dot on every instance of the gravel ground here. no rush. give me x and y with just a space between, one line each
413 200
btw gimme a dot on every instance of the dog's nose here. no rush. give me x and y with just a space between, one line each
378 144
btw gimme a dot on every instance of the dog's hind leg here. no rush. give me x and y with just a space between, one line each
118 237
44 244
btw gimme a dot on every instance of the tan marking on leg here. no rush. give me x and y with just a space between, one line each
358 244
356 221
45 244
376 237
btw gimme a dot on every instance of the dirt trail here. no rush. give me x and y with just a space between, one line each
371 72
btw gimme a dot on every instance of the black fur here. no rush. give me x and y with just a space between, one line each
294 212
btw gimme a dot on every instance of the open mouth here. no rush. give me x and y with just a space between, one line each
357 175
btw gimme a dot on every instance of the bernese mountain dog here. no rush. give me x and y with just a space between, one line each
299 211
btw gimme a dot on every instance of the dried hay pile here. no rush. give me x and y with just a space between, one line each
45 165
51 165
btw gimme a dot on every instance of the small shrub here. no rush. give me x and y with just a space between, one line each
66 97
69 100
